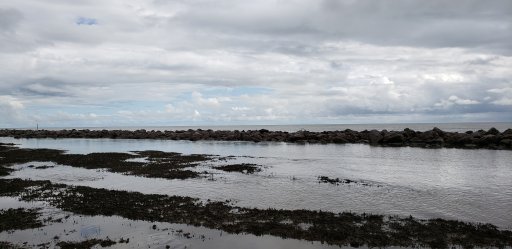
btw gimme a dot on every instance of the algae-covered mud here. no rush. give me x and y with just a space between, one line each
157 164
16 219
246 168
127 195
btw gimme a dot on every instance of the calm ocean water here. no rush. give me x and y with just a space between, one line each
459 127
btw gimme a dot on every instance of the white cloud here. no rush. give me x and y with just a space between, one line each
444 77
197 114
500 90
240 108
503 101
503 96
11 111
11 102
460 101
454 100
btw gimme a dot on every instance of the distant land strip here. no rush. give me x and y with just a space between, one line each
435 138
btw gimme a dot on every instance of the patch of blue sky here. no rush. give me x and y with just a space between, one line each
86 21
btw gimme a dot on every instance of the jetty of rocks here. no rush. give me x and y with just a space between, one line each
435 138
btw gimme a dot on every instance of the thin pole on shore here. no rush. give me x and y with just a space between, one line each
37 126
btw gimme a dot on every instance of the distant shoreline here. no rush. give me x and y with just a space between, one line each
435 138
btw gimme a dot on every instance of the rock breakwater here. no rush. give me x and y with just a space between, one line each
435 138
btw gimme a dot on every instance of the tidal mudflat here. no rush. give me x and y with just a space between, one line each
199 194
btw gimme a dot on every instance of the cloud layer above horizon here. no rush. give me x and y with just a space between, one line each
187 62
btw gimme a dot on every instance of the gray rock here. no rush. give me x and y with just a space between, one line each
374 137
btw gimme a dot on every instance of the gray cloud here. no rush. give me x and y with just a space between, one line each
10 40
9 19
466 23
46 88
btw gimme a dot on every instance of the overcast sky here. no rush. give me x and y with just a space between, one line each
198 62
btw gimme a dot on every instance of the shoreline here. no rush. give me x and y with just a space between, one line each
435 138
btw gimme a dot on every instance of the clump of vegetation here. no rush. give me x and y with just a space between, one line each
246 168
44 167
14 187
86 244
8 245
4 171
19 219
338 181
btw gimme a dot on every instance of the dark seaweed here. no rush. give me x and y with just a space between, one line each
86 244
19 219
246 168
4 171
338 181
7 245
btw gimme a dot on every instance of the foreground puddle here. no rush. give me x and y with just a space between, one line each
134 234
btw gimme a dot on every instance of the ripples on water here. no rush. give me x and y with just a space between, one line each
469 185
